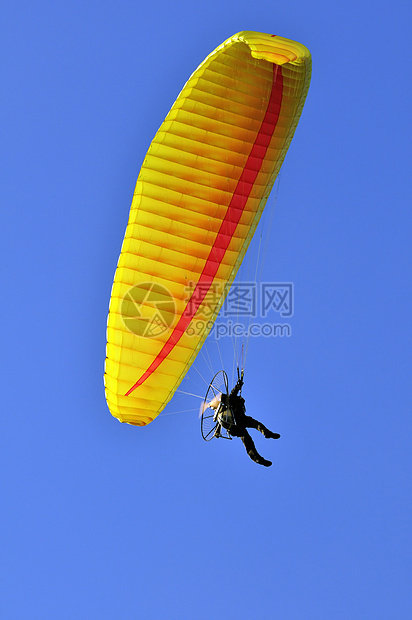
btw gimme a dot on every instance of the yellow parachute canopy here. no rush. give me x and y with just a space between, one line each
200 193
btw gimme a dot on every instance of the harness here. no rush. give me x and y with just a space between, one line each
225 415
225 418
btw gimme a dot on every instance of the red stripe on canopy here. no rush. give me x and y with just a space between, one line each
228 226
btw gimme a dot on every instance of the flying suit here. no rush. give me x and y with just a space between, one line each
238 422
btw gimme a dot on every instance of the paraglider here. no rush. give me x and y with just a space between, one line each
199 195
228 413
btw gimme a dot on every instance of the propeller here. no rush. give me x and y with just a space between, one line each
213 404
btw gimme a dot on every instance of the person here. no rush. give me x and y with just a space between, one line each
233 418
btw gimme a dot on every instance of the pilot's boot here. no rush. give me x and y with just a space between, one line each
266 432
258 459
251 450
261 461
270 435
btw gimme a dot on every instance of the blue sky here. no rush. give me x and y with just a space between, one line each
103 520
